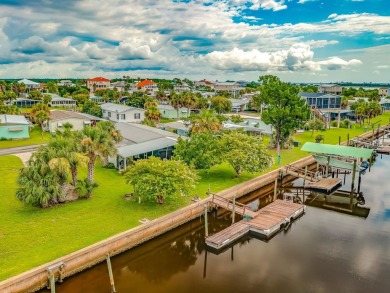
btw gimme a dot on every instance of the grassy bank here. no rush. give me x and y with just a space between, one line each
32 236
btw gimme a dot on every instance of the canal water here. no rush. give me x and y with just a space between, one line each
325 250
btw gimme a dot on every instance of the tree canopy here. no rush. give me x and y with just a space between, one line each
156 179
285 110
200 151
245 153
221 104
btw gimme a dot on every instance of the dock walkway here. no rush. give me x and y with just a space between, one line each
265 222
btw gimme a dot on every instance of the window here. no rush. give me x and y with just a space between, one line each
109 114
123 116
137 115
117 116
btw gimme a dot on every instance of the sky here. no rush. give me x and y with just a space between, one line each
297 40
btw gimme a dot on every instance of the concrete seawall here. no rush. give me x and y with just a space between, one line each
82 259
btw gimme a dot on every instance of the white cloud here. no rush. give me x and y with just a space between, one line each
304 1
268 5
176 37
297 58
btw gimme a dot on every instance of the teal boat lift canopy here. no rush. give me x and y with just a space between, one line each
337 150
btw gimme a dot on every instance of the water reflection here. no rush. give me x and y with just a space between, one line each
324 251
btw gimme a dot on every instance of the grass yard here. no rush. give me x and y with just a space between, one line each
32 236
35 138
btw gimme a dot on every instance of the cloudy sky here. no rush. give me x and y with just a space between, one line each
298 40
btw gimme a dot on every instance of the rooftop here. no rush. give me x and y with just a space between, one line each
28 82
99 78
145 83
61 114
13 119
137 133
118 107
337 150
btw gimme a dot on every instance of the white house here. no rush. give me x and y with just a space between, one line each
30 85
122 113
66 82
179 88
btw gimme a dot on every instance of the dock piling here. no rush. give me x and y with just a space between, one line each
234 209
275 188
206 224
110 273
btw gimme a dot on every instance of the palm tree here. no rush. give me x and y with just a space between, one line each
10 95
41 117
152 112
2 86
67 156
97 143
39 184
206 121
176 101
21 89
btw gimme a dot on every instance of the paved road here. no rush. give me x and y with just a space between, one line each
19 150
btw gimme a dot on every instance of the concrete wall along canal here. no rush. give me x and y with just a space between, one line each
82 259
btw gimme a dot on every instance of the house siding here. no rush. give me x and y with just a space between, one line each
24 133
129 115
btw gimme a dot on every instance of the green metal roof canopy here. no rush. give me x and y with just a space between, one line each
337 150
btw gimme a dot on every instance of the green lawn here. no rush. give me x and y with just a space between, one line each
32 236
35 138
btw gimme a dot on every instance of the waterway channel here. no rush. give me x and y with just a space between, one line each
323 251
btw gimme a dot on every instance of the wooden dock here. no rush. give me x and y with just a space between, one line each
265 222
227 204
325 185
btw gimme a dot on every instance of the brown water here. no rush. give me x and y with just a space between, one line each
323 251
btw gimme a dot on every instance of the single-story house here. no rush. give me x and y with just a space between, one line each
57 101
79 120
14 127
122 113
24 102
167 111
180 127
141 141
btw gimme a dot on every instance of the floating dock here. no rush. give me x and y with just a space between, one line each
265 222
383 150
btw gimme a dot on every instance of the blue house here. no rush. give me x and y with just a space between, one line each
14 127
322 100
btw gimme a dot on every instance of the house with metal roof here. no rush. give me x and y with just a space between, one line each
58 118
58 101
24 102
14 127
122 113
141 141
